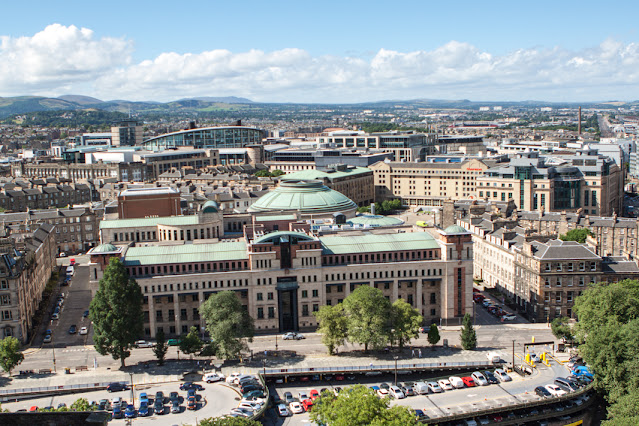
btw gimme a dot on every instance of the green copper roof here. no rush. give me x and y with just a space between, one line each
278 234
308 197
370 243
455 229
317 174
187 253
210 207
375 220
149 221
104 248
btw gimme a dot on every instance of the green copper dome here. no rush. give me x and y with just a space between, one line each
104 248
455 229
210 207
306 196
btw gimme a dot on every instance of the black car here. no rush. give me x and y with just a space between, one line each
384 386
159 396
73 329
174 396
542 392
190 385
158 407
249 388
490 377
116 387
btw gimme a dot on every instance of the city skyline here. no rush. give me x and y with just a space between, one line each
328 53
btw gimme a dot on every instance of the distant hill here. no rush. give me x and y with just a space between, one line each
80 100
222 99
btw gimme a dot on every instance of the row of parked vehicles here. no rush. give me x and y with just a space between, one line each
253 396
151 405
493 309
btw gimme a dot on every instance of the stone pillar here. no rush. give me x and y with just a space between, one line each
152 316
418 296
395 291
178 320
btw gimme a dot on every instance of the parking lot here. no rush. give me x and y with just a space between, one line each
215 400
467 399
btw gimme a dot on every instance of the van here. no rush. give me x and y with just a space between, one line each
493 357
420 388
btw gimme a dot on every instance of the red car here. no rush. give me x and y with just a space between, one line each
307 404
304 379
339 377
314 394
468 381
497 418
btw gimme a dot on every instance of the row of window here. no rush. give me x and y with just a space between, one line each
570 266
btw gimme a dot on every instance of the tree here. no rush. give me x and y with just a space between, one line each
609 329
578 235
333 326
468 335
561 329
277 172
80 404
228 421
433 335
191 343
10 355
405 322
368 312
116 312
359 405
228 324
161 347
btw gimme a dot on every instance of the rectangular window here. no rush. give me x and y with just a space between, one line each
315 293
259 296
315 307
271 312
269 295
304 310
260 313
304 294
5 299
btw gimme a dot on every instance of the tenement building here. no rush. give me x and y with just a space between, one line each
282 272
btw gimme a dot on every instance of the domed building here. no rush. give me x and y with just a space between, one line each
310 198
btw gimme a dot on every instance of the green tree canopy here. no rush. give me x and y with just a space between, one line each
561 329
161 347
578 235
333 326
359 406
80 404
468 335
609 328
228 323
405 322
116 312
10 355
433 335
191 342
228 421
368 314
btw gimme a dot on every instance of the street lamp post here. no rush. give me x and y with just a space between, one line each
276 341
132 389
395 358
264 368
513 355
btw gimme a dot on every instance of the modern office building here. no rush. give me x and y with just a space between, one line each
207 137
126 133
562 181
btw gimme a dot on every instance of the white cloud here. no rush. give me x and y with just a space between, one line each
63 59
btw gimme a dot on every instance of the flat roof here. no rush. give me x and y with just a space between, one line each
149 221
188 253
371 243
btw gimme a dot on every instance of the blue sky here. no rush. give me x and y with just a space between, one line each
348 51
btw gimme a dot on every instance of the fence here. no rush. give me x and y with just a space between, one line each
378 367
6 394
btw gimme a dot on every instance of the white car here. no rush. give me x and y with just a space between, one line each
509 317
382 393
502 375
456 382
445 384
396 392
434 387
283 410
213 377
231 378
296 407
479 379
292 335
555 390
302 396
143 344
84 331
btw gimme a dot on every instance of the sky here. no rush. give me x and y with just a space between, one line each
344 51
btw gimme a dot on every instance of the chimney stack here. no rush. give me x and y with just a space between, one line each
579 125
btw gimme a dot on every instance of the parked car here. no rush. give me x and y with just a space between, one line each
288 397
231 378
490 377
83 331
434 387
382 393
143 344
509 317
117 412
396 392
283 410
175 407
542 392
302 396
555 390
173 342
143 409
85 314
213 377
116 387
190 385
158 407
73 329
456 382
445 384
566 384
191 403
174 396
296 407
159 395
143 397
479 379
314 394
502 375
468 381
129 412
307 404
292 335
255 393
47 339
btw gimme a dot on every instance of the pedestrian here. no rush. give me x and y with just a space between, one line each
412 353
420 353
